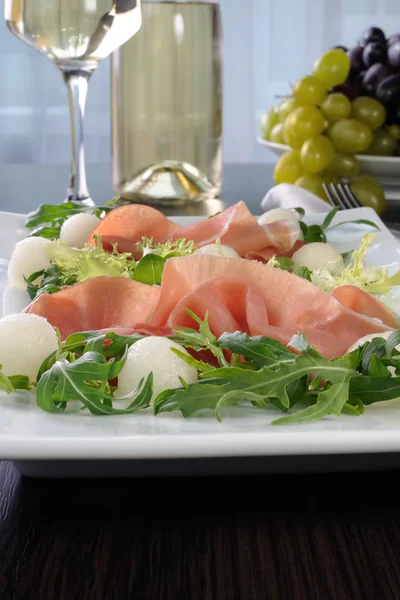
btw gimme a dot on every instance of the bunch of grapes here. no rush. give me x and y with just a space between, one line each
338 112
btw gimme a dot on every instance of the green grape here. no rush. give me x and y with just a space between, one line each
291 140
332 68
394 132
369 192
276 134
309 90
382 144
304 123
288 168
336 107
268 121
344 165
316 154
369 111
312 183
350 136
286 108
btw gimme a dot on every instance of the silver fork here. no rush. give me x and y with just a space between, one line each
341 195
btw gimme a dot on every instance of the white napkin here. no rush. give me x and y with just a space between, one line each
286 195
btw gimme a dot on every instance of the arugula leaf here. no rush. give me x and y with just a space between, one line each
263 351
357 221
48 213
303 272
281 262
48 218
150 269
330 401
370 390
301 212
84 380
5 383
14 382
259 386
204 339
48 232
329 218
315 233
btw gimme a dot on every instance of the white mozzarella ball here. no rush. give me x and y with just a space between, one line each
26 340
14 300
277 214
318 255
219 250
153 354
76 230
29 256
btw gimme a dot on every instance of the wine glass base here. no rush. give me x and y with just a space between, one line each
78 200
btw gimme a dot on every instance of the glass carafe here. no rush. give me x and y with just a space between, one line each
167 105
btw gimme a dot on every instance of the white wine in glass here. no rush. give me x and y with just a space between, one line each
75 35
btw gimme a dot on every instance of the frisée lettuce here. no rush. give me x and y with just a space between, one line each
359 272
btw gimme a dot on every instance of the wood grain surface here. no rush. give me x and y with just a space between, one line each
332 536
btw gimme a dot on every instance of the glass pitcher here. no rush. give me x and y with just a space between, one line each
167 105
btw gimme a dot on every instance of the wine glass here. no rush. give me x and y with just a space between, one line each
75 35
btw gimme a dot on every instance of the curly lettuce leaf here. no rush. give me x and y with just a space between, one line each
81 264
170 249
368 277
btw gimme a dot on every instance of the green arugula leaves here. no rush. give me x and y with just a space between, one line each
317 233
255 371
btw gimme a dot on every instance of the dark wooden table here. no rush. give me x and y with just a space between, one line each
330 536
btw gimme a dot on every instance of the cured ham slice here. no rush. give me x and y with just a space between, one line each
96 304
290 304
267 253
127 225
365 304
235 227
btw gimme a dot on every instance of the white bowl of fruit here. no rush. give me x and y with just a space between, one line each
343 121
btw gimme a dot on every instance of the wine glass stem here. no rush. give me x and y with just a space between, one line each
77 85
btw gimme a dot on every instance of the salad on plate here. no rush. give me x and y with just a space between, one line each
126 310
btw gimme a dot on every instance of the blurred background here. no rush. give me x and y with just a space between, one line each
267 43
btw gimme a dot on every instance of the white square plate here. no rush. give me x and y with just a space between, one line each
82 444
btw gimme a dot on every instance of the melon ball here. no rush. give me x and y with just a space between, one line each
317 255
219 250
277 214
26 340
154 354
76 230
29 256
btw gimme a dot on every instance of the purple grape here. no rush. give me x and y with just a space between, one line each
373 34
350 90
373 53
388 90
393 113
394 54
356 59
374 76
393 38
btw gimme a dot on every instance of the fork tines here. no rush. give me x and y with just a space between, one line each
341 195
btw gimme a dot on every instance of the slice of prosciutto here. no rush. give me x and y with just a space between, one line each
235 227
99 303
365 304
258 299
